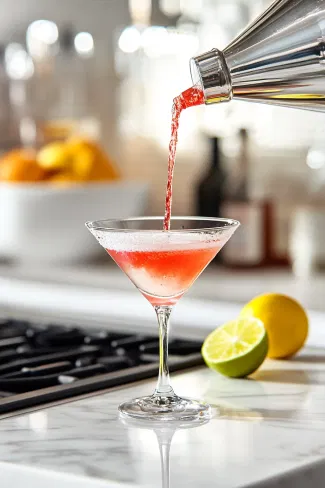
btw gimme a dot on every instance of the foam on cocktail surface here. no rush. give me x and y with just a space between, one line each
120 241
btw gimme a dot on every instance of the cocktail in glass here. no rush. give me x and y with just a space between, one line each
163 265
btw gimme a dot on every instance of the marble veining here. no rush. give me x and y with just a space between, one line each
267 431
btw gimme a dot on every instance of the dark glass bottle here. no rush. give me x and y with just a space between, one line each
210 190
253 246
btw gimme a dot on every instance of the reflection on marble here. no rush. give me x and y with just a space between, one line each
264 427
164 432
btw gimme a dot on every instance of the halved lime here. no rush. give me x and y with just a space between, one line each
237 348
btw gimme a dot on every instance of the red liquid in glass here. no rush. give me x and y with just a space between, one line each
164 275
188 98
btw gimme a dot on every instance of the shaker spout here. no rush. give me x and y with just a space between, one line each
210 72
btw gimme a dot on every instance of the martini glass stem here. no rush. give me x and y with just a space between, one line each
164 388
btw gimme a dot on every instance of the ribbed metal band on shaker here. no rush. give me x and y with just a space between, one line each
210 71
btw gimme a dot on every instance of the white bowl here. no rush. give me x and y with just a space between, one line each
41 223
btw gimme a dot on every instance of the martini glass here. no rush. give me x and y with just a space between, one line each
163 265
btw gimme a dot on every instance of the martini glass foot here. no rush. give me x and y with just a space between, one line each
159 408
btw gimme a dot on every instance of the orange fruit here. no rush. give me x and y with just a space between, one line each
54 156
101 167
20 165
82 160
74 161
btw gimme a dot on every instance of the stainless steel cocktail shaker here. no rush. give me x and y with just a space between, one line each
278 59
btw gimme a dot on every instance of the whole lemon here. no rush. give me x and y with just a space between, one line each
285 320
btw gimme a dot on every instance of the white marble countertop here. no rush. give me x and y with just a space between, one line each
268 430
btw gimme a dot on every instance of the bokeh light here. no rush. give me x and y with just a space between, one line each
130 40
84 43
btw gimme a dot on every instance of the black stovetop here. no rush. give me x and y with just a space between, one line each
48 363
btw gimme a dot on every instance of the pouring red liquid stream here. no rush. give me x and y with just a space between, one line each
188 98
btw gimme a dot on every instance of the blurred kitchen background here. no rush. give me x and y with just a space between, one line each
86 88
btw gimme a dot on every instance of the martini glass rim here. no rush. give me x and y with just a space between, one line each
107 225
